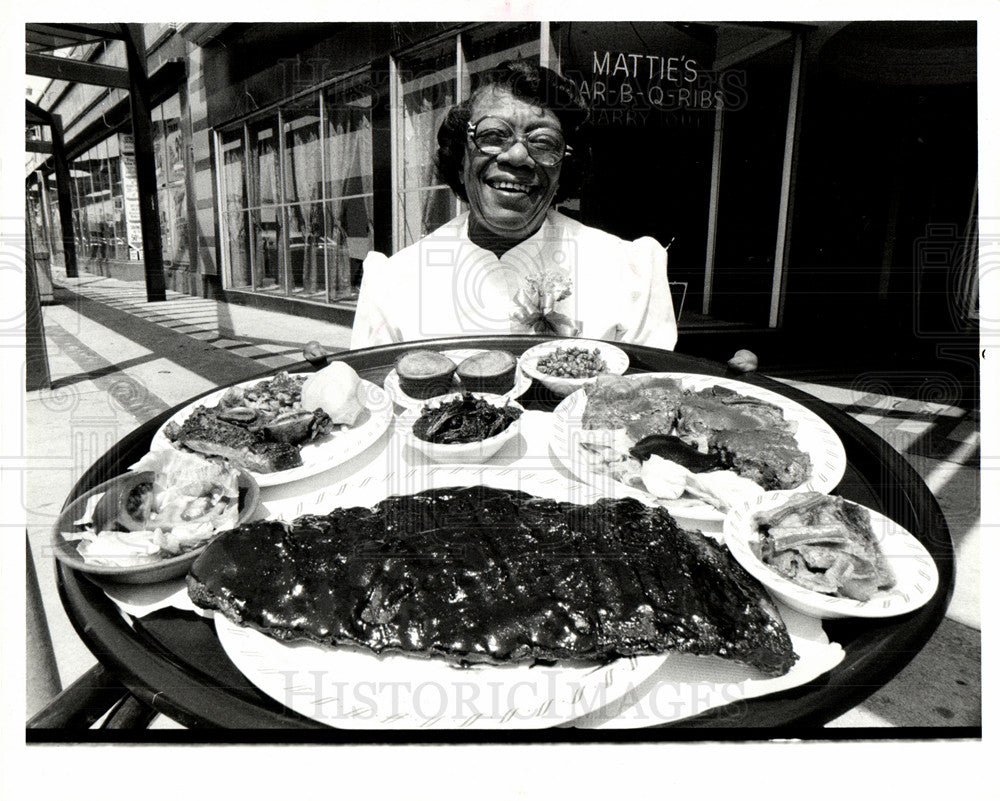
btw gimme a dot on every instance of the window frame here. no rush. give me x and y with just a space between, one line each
274 114
548 56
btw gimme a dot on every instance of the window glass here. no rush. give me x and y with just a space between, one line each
303 192
106 202
89 216
173 149
303 165
158 157
428 91
168 147
77 175
267 244
234 204
348 110
119 239
753 148
265 217
264 162
347 218
490 45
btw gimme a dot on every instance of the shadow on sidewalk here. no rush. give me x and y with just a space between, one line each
214 363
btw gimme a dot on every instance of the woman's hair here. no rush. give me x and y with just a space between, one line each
539 86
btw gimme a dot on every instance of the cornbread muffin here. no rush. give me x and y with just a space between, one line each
425 374
491 371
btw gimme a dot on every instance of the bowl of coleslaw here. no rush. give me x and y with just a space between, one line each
150 523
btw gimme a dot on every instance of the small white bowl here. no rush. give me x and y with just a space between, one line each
464 452
614 357
913 567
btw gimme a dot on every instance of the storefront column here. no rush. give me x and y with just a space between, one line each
142 131
64 193
36 366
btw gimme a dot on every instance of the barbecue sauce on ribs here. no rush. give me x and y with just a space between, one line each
488 575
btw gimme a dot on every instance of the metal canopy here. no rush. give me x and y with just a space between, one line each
75 71
42 39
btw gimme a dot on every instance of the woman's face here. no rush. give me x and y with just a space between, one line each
509 193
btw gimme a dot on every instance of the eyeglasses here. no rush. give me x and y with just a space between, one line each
493 136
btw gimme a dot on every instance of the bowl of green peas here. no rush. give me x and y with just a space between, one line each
565 365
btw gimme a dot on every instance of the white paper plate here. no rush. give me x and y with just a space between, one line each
357 690
400 398
814 437
686 685
323 453
614 357
912 566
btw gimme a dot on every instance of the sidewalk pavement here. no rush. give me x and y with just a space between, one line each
116 361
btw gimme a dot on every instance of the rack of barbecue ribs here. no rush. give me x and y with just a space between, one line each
485 575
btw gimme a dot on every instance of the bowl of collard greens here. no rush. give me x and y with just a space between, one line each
466 428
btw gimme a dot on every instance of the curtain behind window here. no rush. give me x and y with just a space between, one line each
428 92
349 205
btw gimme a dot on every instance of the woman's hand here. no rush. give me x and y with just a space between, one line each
743 361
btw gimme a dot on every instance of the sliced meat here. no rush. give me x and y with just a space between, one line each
643 406
204 432
770 458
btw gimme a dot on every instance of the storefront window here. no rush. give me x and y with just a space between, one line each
348 185
303 194
296 216
428 84
234 204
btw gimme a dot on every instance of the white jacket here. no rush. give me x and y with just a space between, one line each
444 286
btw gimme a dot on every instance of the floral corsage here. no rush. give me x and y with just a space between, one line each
535 303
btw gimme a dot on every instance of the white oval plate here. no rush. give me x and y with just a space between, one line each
913 567
400 398
615 358
354 689
357 690
814 436
325 452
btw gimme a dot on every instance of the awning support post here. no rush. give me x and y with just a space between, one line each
142 131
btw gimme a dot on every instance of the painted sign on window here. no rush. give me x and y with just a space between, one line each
130 191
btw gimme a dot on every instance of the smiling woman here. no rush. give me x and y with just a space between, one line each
512 264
